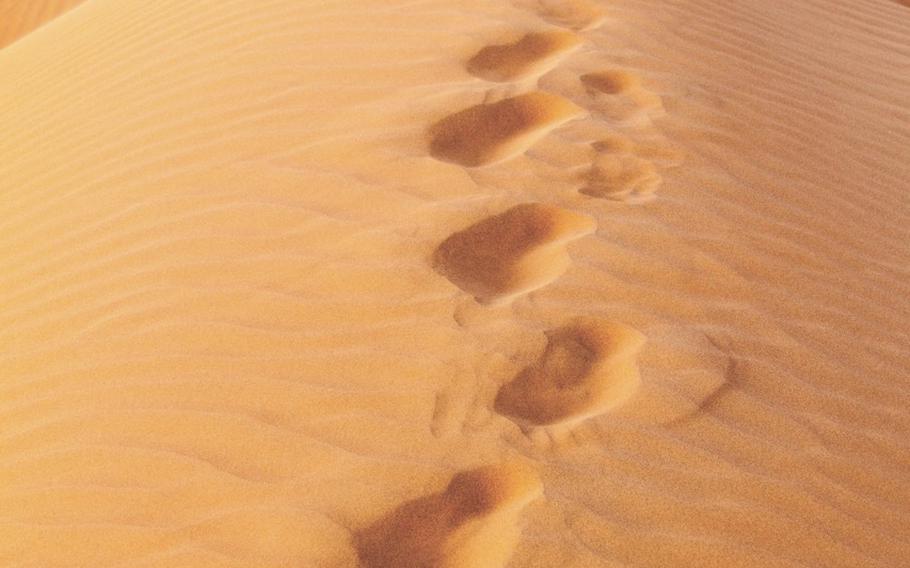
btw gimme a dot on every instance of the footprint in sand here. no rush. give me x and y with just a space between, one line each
532 55
578 15
611 82
616 84
622 177
657 151
621 169
485 134
587 368
512 253
624 170
472 524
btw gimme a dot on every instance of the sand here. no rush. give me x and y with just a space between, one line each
21 17
454 283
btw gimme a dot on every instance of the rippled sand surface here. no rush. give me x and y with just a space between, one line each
454 283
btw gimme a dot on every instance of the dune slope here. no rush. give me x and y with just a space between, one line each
228 336
20 17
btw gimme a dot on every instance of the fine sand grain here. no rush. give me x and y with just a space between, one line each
454 283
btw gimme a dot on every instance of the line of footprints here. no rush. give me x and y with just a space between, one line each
588 366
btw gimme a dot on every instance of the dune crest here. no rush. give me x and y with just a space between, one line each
587 368
512 253
485 134
533 54
472 524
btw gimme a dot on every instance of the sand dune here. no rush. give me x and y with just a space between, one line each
317 283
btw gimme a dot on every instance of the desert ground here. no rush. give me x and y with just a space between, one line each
454 283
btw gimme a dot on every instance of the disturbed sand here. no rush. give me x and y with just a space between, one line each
454 283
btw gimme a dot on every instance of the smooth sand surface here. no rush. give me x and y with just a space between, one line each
254 310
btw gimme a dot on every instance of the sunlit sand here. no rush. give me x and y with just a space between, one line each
454 283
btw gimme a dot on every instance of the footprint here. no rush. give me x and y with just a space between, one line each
618 82
611 82
512 253
622 177
532 55
472 524
578 15
586 369
657 151
485 134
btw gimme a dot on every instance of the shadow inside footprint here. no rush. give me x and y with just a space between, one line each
473 523
635 99
512 253
533 54
587 368
611 82
488 133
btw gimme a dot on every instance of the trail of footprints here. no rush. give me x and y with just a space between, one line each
589 365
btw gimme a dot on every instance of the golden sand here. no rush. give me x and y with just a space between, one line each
21 17
454 283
